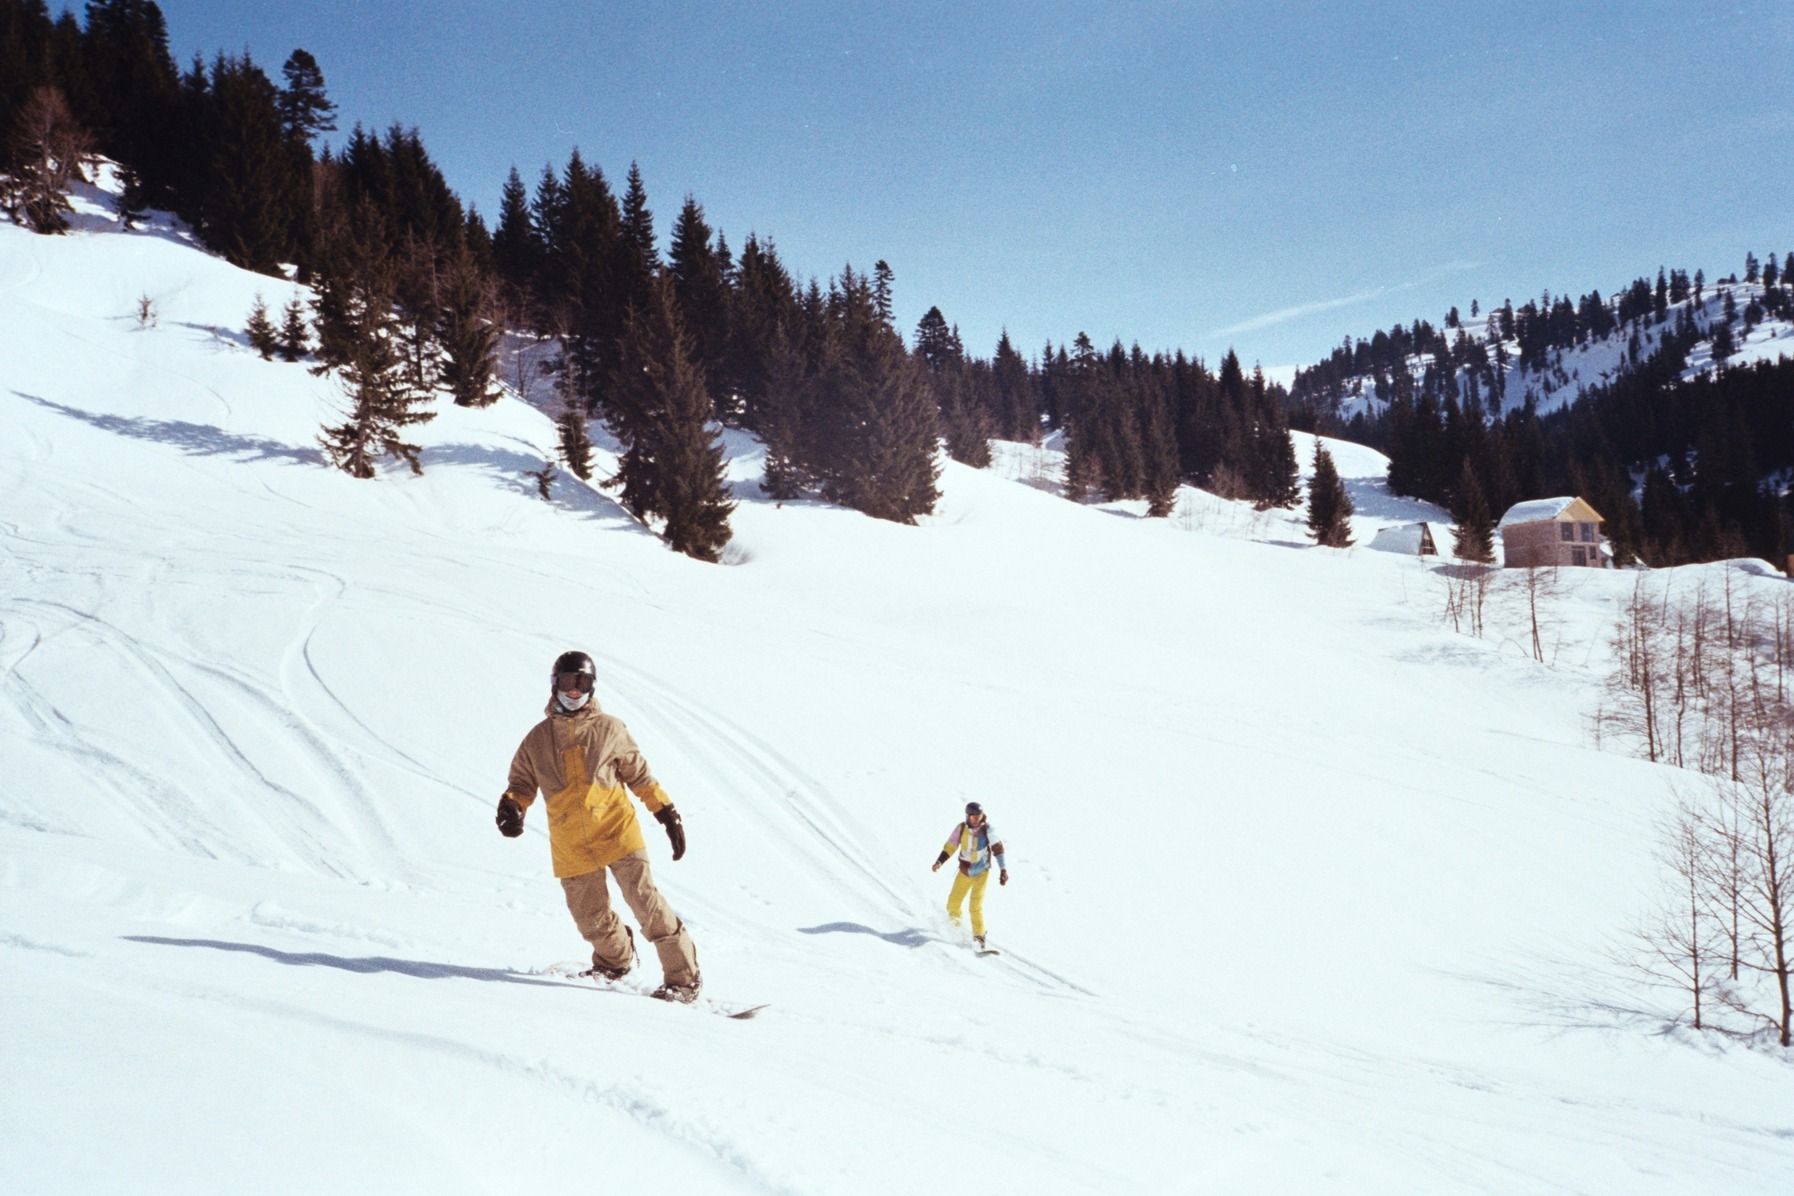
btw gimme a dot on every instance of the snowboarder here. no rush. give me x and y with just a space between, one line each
581 759
977 846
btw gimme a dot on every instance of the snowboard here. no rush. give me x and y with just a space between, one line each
582 971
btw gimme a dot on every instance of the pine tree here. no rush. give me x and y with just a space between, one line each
517 248
1329 506
260 330
468 335
1473 527
701 286
1161 478
132 200
1724 346
294 338
305 111
576 440
882 278
781 419
672 463
382 402
251 188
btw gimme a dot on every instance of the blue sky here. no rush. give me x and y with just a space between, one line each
1268 177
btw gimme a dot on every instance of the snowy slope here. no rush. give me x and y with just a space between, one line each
1309 892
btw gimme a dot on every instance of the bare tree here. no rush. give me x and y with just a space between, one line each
48 151
1766 828
1673 945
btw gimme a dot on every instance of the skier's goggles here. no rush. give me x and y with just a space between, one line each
573 683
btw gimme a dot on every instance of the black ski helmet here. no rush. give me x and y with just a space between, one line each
571 662
972 808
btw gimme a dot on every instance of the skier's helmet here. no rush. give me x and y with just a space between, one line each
972 808
573 672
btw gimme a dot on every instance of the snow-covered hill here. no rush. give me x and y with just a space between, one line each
1310 893
1567 372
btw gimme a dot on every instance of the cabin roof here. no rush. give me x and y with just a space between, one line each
1569 509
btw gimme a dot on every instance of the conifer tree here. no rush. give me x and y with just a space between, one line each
701 286
517 248
1724 346
468 335
1329 506
260 330
672 463
305 111
1276 478
358 341
294 338
1161 478
133 200
882 279
781 419
1473 527
382 401
249 197
576 440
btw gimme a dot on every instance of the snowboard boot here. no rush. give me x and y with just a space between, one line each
979 940
683 994
601 972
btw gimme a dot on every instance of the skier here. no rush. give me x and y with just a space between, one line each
976 846
582 758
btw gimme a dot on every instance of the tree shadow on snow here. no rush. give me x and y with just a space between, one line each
343 963
913 937
202 440
515 471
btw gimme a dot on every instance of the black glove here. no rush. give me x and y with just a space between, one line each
1002 877
669 818
510 817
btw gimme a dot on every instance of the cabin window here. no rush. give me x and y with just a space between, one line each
1588 533
1578 555
1566 531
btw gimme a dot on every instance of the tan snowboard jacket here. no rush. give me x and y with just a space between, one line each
582 762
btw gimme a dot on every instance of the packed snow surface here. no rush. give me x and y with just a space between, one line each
1309 892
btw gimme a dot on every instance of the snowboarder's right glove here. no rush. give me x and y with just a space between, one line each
669 818
510 817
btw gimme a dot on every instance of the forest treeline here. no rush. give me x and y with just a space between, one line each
415 294
418 298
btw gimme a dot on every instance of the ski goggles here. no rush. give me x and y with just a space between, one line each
573 683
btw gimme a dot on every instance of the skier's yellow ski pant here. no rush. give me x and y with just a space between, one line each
963 884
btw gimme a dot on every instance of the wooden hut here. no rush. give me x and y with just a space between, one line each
1549 532
1415 539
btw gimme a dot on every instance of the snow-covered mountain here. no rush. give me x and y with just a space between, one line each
1309 892
1566 372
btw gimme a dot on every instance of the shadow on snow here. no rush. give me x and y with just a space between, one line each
912 937
343 963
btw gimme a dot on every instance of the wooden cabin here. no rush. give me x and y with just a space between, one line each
1552 532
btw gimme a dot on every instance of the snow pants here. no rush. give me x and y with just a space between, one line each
963 884
588 900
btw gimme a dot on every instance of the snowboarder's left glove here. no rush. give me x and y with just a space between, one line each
1002 878
669 818
510 817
